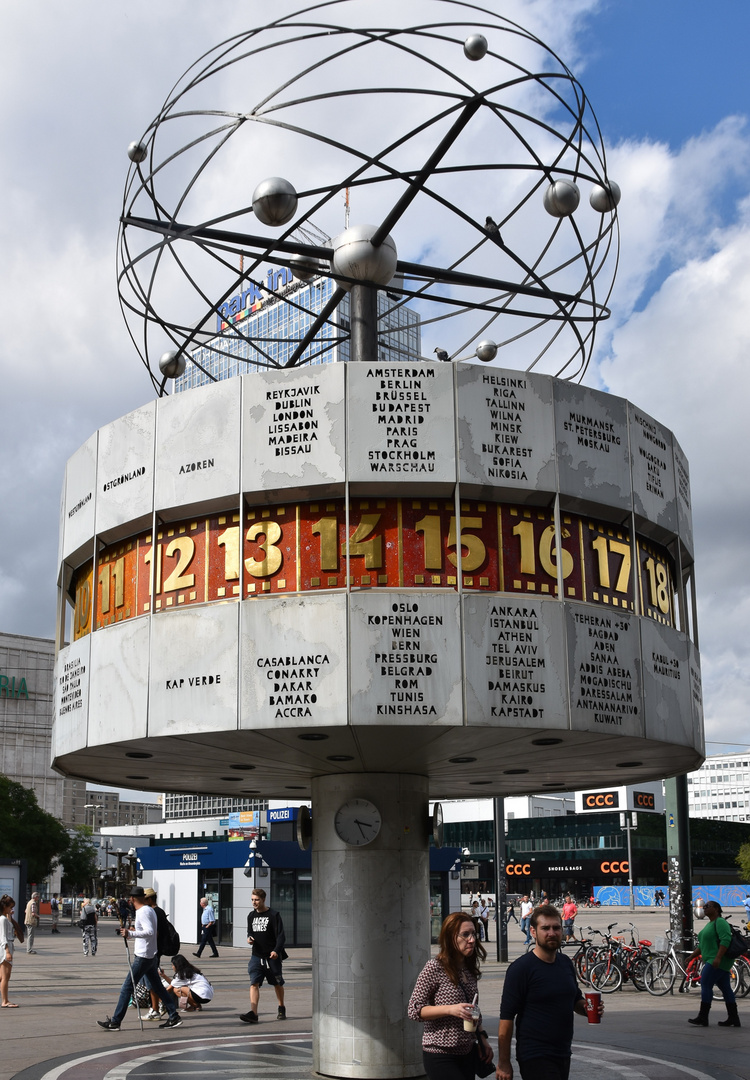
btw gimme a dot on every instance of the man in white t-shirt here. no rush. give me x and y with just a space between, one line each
144 965
526 909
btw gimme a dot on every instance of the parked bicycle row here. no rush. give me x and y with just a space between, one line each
606 961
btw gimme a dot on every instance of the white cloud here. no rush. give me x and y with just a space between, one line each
684 358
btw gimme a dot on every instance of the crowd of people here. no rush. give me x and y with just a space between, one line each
540 995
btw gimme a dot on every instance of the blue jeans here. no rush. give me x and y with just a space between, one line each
710 977
143 967
525 924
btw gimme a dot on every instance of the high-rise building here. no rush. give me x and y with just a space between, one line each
720 789
260 328
26 687
177 805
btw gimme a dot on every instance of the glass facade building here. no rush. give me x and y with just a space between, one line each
259 329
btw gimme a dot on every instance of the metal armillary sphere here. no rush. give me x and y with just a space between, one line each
467 150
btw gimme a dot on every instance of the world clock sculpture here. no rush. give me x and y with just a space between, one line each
374 582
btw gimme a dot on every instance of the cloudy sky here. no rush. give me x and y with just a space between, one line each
668 83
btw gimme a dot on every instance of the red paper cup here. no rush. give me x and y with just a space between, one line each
593 1006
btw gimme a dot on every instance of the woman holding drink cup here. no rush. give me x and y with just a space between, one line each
454 1046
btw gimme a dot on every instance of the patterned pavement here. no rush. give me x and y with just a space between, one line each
288 1056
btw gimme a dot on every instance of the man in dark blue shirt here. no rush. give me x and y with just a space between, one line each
541 994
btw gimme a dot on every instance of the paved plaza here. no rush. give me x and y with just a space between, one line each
61 994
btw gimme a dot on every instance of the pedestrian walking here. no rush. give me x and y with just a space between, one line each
445 1000
541 994
526 909
484 915
713 941
143 966
88 924
208 928
510 912
569 913
265 932
31 921
54 907
7 945
123 911
476 919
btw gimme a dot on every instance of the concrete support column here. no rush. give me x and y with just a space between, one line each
371 928
680 862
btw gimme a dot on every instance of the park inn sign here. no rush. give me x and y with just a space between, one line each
12 686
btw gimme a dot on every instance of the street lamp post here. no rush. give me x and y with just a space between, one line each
628 823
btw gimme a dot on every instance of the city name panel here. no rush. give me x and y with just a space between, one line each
430 568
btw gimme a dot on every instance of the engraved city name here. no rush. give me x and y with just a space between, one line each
293 426
605 685
123 478
292 683
401 405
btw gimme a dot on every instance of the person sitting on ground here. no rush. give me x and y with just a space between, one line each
189 982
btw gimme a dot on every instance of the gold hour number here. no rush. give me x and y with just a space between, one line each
82 608
230 541
184 548
524 530
106 574
476 553
603 545
658 585
154 585
429 526
327 529
362 543
271 562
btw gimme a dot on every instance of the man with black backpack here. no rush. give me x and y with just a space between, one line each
167 944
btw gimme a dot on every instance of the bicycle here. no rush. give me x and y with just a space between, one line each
661 973
583 956
621 963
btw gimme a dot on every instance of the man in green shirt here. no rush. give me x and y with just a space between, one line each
713 941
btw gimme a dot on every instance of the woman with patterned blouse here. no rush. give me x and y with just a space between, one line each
443 998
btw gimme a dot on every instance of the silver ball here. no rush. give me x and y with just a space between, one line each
137 151
561 198
172 363
605 197
486 350
274 201
475 47
355 257
304 267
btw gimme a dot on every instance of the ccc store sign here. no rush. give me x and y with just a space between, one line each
615 867
643 800
596 800
519 869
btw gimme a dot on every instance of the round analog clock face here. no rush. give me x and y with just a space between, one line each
357 822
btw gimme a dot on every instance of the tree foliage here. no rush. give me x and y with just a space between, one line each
27 831
743 861
79 861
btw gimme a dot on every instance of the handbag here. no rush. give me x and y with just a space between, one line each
738 946
481 1068
82 924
